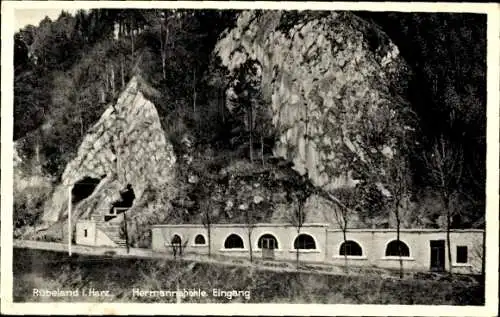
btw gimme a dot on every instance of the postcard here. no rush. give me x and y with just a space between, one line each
252 158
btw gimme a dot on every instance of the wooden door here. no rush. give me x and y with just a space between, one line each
437 255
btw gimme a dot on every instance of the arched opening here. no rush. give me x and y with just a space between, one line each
176 240
397 248
350 247
176 244
304 241
200 239
84 188
267 241
234 241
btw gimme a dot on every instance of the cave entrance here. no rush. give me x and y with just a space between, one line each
84 188
122 205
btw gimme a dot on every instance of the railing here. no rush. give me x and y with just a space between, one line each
107 215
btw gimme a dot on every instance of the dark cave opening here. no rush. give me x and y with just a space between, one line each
122 205
84 188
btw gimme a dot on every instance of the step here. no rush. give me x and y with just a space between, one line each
113 233
107 226
107 230
110 231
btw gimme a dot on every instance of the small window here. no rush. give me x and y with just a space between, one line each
350 247
461 254
397 248
85 233
199 239
234 241
304 241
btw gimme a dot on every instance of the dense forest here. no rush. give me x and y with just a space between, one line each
67 72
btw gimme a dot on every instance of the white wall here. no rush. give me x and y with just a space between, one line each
284 234
95 237
328 242
90 239
374 245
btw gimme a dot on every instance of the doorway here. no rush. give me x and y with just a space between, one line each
176 244
437 255
268 244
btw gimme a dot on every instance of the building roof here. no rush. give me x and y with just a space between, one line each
310 225
238 225
414 230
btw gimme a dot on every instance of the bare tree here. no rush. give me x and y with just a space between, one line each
398 187
126 231
122 68
444 163
112 79
167 19
251 127
301 190
250 223
346 201
297 218
207 222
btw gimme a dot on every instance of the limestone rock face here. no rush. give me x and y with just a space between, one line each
126 146
334 83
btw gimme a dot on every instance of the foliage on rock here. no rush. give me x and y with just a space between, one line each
335 85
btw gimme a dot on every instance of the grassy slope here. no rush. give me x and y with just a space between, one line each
49 270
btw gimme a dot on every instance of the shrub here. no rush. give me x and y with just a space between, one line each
30 194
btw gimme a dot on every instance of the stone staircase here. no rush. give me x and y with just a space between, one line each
112 230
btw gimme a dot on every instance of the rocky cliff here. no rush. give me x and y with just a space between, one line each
127 146
334 83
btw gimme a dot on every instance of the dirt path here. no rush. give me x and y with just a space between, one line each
276 266
258 264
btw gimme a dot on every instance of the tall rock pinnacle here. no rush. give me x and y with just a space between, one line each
126 147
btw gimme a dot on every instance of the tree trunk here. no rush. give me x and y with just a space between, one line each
299 227
197 120
249 219
162 50
209 233
194 91
250 122
262 148
297 251
113 80
126 231
122 72
106 85
164 44
82 133
398 226
448 228
103 95
132 40
250 244
38 165
344 233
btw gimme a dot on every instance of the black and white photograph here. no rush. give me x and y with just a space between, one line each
237 154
